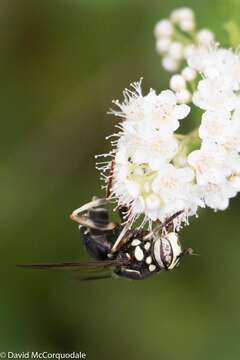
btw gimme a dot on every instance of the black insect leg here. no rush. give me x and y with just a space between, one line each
168 224
133 272
123 210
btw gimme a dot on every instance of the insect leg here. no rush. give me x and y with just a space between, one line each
110 179
169 222
122 210
123 237
165 225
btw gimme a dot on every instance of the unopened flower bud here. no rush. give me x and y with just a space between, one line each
187 25
183 96
176 50
163 28
170 64
189 74
177 83
205 37
163 45
182 14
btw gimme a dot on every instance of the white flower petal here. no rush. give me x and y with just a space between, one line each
181 111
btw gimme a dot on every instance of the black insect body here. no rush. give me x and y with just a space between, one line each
141 261
140 253
130 253
98 241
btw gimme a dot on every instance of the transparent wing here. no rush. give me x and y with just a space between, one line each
77 266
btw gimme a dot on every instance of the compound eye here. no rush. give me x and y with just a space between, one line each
157 253
162 253
176 249
166 252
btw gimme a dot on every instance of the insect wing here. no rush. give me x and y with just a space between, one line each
77 266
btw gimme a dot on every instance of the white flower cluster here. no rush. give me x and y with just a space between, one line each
155 171
144 178
175 36
217 162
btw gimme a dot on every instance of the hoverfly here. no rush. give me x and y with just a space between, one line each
122 251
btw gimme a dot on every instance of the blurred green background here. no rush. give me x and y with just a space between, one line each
61 64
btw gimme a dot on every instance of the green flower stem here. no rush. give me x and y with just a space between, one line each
192 85
187 144
184 39
191 141
194 141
